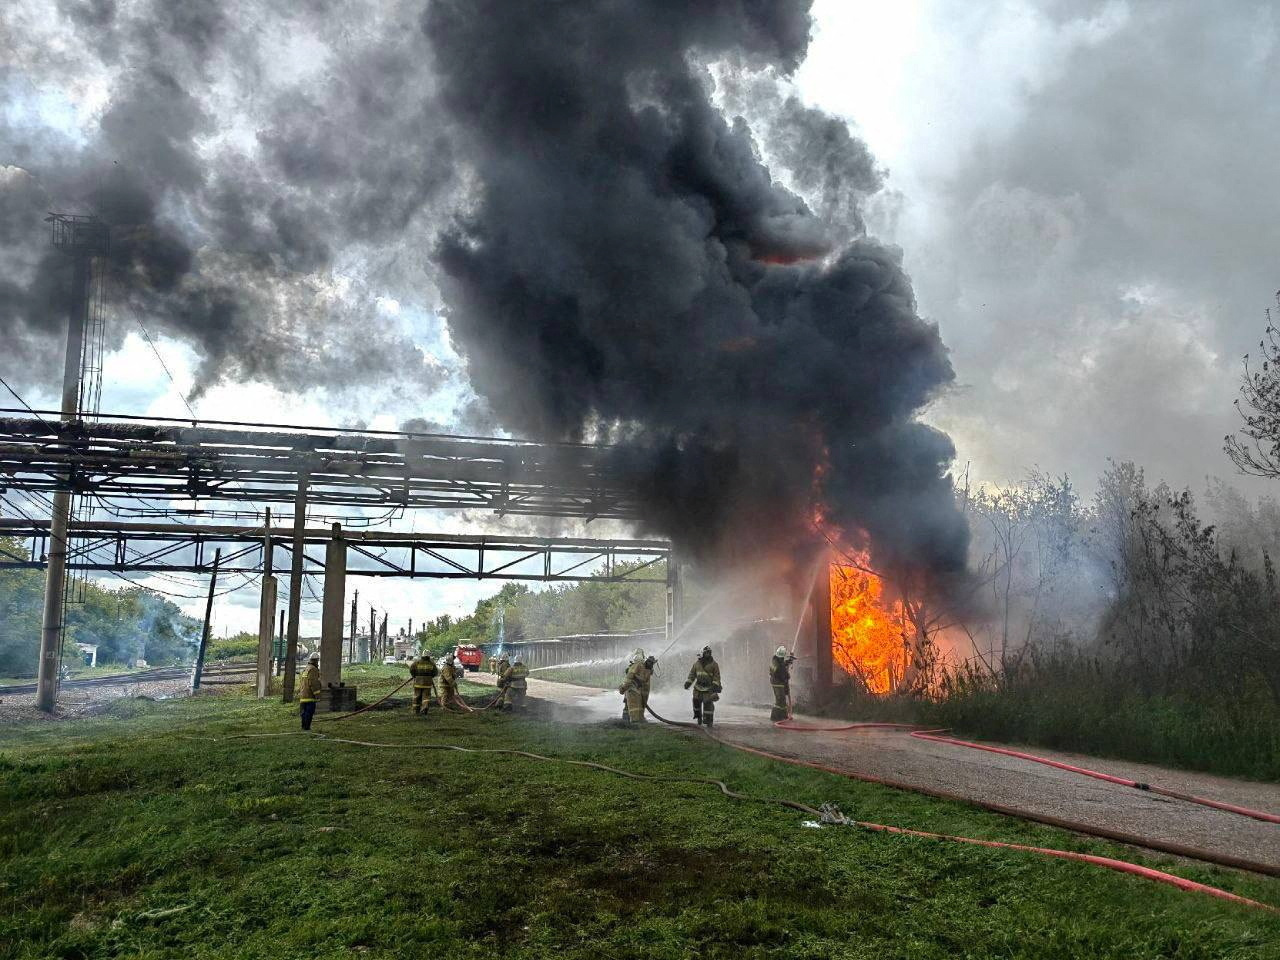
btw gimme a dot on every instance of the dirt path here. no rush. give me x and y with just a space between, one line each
991 778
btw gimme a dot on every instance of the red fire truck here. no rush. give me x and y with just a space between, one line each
469 656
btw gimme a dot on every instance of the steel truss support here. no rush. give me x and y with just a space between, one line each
140 548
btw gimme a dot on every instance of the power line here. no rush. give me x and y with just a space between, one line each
30 409
247 579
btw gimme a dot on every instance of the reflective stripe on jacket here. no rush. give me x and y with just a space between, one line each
779 673
423 671
514 677
705 677
310 686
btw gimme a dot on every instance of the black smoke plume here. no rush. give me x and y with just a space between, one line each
630 271
236 192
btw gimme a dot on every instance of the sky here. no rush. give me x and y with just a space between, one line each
1082 193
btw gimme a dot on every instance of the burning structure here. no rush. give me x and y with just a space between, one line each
868 632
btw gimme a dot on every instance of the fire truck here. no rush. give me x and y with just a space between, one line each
469 656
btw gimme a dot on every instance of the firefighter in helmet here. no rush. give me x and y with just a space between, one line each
635 686
449 673
780 680
423 670
310 692
514 683
704 677
503 663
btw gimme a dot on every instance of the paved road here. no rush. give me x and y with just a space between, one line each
991 778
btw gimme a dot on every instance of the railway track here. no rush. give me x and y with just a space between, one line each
138 676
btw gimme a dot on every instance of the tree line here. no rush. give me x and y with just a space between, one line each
515 612
126 624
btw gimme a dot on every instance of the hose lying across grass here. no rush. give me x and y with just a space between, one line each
1121 866
382 700
825 815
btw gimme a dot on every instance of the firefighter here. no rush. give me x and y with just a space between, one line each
492 664
635 687
310 692
423 670
649 663
780 680
704 677
449 681
503 663
514 684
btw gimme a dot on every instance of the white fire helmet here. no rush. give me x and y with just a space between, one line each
638 656
780 652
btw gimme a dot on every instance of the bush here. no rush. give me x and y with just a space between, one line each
234 648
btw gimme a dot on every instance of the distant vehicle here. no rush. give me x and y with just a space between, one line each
469 656
389 659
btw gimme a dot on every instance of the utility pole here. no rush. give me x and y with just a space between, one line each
82 238
295 585
351 654
373 635
208 614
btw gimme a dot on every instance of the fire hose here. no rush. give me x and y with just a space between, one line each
1110 863
1121 866
382 700
1084 771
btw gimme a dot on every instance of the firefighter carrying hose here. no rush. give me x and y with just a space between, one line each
449 674
503 663
310 692
514 683
423 670
635 686
780 680
704 677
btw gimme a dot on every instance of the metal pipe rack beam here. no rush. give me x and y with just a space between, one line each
189 548
119 457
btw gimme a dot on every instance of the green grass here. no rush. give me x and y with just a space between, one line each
144 834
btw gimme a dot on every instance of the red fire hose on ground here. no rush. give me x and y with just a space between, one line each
451 707
1121 866
1084 771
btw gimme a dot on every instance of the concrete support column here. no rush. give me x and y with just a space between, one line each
675 598
266 613
333 617
266 633
55 576
295 587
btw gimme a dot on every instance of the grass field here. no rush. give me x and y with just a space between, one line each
149 833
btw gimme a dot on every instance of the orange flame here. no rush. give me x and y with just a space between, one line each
866 633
